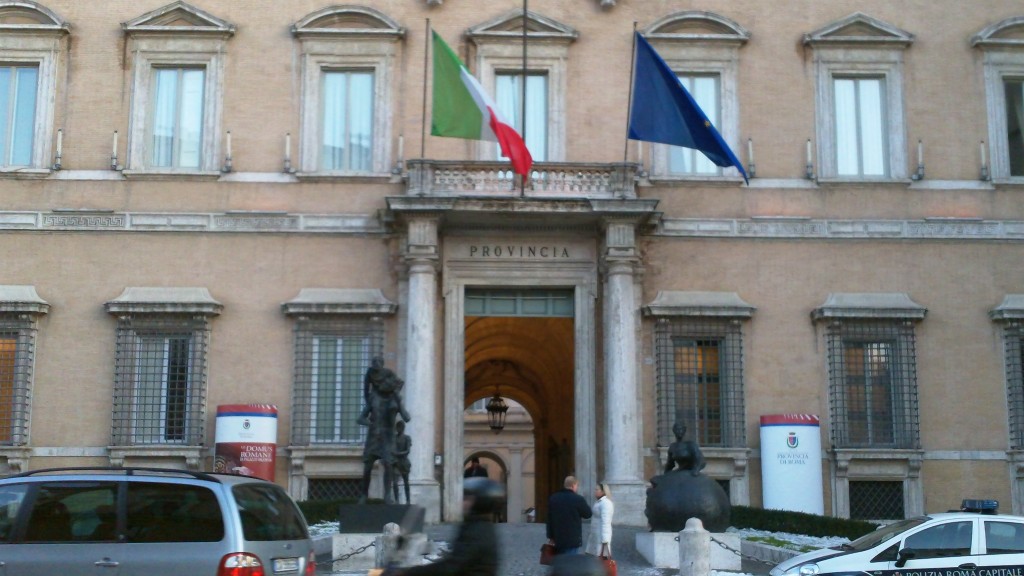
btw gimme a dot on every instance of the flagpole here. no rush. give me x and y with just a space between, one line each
629 102
522 179
423 117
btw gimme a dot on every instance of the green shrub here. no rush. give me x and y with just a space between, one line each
798 523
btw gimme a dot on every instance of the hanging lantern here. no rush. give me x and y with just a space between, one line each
496 409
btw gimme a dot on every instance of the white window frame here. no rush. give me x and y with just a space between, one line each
838 53
155 43
41 45
499 49
372 47
1002 59
710 46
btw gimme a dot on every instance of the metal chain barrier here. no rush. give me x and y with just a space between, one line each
359 550
737 552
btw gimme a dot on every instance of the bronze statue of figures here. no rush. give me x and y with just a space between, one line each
685 454
382 393
403 444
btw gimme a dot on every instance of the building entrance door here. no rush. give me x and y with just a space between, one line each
519 346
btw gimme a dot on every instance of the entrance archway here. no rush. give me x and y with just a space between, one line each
529 360
573 273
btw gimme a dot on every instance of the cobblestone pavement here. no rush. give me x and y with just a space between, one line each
520 551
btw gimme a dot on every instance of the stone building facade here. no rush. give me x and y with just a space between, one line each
212 203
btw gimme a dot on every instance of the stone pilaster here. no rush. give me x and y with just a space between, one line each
421 257
623 461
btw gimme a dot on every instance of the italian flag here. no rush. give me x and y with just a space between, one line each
463 110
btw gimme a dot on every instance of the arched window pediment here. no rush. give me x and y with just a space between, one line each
348 21
25 16
1003 34
697 25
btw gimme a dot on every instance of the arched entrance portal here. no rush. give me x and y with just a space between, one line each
529 359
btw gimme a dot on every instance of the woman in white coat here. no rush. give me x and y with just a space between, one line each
600 541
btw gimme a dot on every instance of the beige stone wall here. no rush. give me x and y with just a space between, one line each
958 277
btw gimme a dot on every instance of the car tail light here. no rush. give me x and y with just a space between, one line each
311 564
241 564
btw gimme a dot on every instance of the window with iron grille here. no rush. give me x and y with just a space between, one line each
700 380
331 359
876 500
1013 334
160 380
335 488
873 384
17 347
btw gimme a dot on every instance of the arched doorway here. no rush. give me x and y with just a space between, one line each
527 358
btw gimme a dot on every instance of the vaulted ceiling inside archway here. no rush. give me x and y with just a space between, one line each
531 359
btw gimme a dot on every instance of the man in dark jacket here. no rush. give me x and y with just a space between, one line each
566 511
475 550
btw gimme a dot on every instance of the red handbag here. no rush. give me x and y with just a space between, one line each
609 563
547 553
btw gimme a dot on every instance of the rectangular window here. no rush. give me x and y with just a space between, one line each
700 381
1013 341
332 355
160 381
347 135
18 86
509 98
876 500
1015 125
16 345
860 127
177 117
162 388
338 368
705 91
873 390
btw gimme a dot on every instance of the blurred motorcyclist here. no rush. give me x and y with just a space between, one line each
475 550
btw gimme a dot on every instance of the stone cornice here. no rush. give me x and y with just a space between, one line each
244 221
809 228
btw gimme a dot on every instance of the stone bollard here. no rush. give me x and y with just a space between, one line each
388 544
694 549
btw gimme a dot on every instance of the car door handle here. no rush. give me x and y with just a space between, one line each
968 566
106 563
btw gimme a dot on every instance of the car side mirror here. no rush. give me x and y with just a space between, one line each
903 555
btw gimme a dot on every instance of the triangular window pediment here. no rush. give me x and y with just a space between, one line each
347 21
25 16
860 29
1002 34
510 26
179 17
696 25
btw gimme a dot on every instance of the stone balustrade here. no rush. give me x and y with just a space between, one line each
547 180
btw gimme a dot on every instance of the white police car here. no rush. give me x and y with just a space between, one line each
974 541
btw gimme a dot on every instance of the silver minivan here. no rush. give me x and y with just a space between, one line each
149 522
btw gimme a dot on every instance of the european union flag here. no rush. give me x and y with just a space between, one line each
664 112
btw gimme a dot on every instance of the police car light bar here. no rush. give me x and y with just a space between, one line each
979 506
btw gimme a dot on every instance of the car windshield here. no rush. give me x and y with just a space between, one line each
268 513
883 533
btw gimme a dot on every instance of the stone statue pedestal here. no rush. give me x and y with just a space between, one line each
371 518
677 496
662 550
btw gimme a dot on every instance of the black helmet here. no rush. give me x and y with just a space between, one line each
487 494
